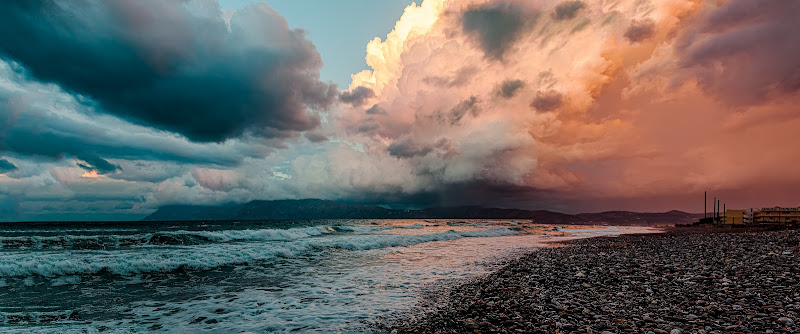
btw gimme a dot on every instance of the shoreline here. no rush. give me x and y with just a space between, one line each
684 280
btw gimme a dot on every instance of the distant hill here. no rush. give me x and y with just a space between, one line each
322 209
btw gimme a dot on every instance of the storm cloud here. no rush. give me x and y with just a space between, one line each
375 110
498 103
568 10
496 27
42 121
97 164
357 96
509 88
6 166
407 148
467 106
640 31
173 65
547 101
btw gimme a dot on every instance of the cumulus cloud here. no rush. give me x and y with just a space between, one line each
174 65
458 79
596 110
501 103
217 179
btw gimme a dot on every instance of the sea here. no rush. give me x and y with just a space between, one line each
324 276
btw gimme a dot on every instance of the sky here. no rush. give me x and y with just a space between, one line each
111 109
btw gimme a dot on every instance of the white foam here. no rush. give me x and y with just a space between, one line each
603 230
361 229
414 226
132 261
256 235
120 240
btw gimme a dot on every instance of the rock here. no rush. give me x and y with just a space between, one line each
678 282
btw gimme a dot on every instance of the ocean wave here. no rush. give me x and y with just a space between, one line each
414 226
132 261
254 235
361 229
183 237
602 230
42 317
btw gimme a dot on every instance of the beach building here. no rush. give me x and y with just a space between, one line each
734 217
777 215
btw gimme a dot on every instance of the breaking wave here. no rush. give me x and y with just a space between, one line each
177 238
134 261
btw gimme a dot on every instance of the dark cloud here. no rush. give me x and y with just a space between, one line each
547 101
568 10
124 206
408 149
95 163
469 105
366 126
173 65
496 27
640 30
147 171
746 52
315 137
357 96
40 134
375 110
509 88
471 193
6 166
42 121
460 78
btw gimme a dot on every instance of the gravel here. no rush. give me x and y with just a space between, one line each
682 281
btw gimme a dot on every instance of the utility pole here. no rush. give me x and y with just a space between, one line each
705 203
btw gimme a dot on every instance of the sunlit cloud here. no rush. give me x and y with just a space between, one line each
566 105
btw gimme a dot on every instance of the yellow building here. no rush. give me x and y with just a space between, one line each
734 217
777 215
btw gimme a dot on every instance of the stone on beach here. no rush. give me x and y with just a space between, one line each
677 282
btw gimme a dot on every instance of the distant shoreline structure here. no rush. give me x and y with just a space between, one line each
776 215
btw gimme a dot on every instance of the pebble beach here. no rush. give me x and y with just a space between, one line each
683 281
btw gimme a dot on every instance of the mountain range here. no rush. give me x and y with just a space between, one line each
309 209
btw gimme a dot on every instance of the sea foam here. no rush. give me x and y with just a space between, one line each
133 261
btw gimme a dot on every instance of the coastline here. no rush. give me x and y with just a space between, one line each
685 280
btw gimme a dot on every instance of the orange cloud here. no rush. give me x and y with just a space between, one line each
91 174
652 99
